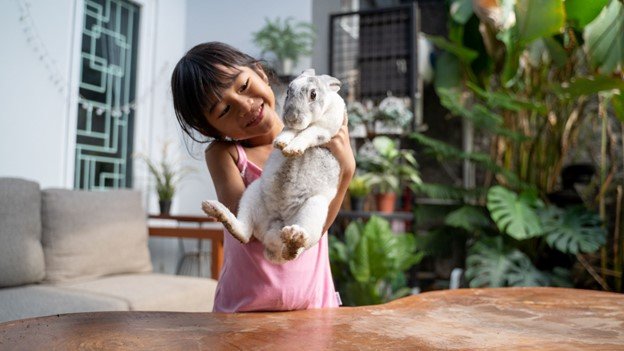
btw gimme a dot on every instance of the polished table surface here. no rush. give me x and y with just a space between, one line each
464 319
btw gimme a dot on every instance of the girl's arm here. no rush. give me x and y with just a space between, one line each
340 147
225 175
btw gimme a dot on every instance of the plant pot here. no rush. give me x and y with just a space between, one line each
386 202
287 66
165 206
357 203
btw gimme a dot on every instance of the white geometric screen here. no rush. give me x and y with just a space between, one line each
105 118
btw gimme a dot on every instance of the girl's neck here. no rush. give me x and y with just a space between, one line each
265 139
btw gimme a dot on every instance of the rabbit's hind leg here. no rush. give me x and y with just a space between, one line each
272 241
306 227
226 217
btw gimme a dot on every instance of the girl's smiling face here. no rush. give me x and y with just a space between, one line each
246 109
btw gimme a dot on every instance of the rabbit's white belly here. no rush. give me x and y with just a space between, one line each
289 181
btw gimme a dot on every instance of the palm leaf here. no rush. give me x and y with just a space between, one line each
574 230
513 214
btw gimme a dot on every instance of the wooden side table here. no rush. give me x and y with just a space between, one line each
215 235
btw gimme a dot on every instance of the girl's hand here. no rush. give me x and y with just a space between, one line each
340 147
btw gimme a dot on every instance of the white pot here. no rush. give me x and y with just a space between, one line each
287 67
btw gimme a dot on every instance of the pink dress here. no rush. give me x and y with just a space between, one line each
248 282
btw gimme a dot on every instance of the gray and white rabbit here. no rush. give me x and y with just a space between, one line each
286 208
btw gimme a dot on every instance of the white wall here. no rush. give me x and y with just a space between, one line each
37 123
33 121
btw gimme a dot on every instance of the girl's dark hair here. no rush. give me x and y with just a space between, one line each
198 80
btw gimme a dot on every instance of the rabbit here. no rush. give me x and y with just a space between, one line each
286 208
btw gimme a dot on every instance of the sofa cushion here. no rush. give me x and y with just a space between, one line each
41 300
154 292
88 234
21 254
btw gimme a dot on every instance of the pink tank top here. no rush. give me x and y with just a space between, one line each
248 282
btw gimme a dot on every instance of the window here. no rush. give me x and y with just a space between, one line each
105 121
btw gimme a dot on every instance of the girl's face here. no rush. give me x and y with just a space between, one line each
247 108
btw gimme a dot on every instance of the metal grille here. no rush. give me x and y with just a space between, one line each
107 90
373 52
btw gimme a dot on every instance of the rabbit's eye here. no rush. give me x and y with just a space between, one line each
313 95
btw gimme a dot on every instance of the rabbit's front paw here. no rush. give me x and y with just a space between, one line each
280 144
292 151
283 139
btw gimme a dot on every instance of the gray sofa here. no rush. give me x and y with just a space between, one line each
64 251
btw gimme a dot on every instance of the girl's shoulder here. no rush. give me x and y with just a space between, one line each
218 148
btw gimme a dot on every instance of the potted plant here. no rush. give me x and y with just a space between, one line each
369 265
286 40
358 190
392 115
387 168
167 176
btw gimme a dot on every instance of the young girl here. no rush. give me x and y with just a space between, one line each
225 96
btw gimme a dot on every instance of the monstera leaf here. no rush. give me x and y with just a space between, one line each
513 214
491 263
574 230
604 39
580 12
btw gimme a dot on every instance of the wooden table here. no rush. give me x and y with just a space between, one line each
464 319
215 235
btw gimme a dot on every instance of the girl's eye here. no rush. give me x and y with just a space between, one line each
313 95
225 110
244 87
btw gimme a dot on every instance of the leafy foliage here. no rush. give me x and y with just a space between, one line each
286 39
470 218
370 264
389 166
574 230
514 214
524 77
492 263
166 173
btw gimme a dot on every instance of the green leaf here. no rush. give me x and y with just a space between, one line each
539 18
491 263
585 86
604 39
574 230
561 277
580 12
470 218
447 71
512 214
461 10
337 250
556 52
359 265
352 235
463 53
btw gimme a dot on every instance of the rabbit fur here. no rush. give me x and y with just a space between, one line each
286 208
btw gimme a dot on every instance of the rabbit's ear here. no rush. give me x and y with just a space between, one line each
333 83
308 72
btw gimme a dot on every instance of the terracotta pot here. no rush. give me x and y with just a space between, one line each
386 202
